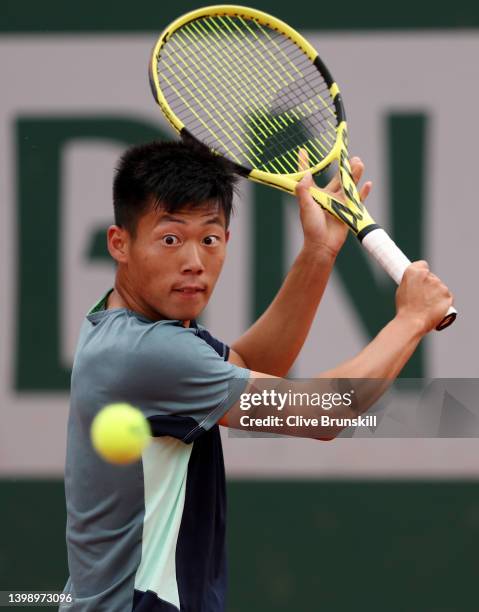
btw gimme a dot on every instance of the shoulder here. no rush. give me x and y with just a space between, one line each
130 341
221 348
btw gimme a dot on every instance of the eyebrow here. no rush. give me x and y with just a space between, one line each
213 221
171 219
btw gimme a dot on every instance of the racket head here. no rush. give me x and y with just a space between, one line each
252 89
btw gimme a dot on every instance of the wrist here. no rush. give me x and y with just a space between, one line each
320 251
413 322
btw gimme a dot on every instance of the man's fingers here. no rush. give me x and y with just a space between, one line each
419 265
305 183
365 191
357 168
303 160
334 184
302 188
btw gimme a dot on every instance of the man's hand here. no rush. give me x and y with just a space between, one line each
422 297
321 230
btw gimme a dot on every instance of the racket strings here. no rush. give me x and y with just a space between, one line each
308 64
248 91
276 122
302 58
222 101
293 159
215 78
280 58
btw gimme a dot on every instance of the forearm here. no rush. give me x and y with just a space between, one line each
272 344
368 374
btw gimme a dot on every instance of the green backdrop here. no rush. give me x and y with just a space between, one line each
296 546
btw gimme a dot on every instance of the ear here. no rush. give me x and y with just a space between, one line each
118 241
227 235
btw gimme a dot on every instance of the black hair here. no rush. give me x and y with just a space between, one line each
171 176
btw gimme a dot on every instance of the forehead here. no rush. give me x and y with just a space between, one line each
198 215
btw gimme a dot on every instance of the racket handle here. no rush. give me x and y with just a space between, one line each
386 252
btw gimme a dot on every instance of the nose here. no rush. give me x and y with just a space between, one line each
192 262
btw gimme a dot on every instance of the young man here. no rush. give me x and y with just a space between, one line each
151 536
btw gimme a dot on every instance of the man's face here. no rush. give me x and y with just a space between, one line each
172 264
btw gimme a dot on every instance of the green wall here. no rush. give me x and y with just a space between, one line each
296 546
151 16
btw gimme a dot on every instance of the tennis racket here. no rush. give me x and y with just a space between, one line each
256 92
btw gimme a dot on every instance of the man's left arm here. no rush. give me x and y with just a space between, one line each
273 342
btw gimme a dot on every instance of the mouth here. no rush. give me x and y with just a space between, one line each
190 290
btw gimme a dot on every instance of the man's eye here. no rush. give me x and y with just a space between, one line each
170 240
211 240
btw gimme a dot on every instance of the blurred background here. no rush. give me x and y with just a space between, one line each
353 524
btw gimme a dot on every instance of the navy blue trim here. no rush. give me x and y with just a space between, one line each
222 349
150 602
201 570
174 425
213 342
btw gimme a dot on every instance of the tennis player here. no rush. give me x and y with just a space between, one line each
151 536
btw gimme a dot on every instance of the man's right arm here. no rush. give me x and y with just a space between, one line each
421 302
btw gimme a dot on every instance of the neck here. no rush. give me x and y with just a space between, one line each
123 297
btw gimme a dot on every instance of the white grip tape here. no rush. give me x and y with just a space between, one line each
386 252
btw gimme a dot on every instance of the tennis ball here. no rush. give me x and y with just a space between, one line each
119 433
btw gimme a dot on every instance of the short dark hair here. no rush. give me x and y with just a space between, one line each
173 176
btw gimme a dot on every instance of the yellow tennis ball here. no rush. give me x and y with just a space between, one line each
120 433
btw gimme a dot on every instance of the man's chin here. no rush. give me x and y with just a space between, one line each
186 314
181 310
188 308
